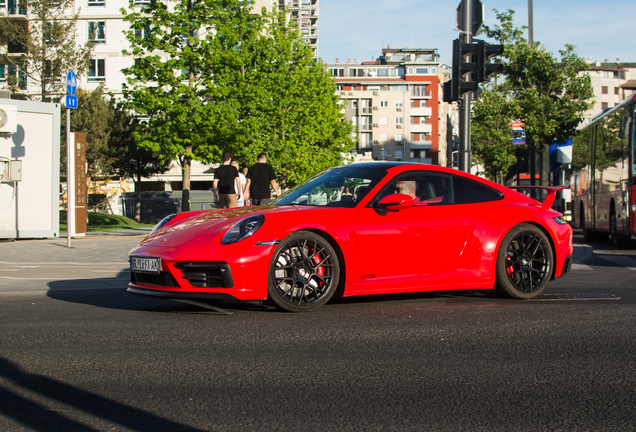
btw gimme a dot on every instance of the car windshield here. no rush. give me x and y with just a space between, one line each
337 187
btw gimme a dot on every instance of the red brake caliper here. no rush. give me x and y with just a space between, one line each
321 270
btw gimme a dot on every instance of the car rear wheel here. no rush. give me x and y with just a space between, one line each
304 273
524 262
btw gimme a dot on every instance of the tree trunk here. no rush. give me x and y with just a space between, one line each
138 200
186 169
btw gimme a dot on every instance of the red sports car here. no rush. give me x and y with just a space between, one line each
365 228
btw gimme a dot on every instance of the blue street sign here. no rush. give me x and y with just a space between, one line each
71 102
71 83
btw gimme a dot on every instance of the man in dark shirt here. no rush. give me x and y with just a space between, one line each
259 177
225 178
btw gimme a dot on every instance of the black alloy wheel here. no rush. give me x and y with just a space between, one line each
304 272
524 262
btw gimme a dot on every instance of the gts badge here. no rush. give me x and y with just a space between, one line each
367 276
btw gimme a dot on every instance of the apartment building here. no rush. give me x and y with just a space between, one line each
612 83
102 19
394 104
304 15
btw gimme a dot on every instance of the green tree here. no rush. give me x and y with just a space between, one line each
491 132
551 94
282 103
175 90
129 160
43 49
93 116
231 80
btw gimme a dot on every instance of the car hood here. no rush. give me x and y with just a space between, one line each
207 225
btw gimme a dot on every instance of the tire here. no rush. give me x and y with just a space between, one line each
620 241
524 262
304 273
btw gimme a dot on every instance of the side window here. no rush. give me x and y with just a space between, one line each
469 192
426 188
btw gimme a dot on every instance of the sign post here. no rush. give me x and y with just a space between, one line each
71 102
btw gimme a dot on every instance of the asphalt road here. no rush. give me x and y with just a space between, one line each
79 353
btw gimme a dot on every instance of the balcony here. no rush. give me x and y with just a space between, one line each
421 145
421 93
421 128
422 112
365 127
366 110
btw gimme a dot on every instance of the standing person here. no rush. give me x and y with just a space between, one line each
259 177
239 192
226 177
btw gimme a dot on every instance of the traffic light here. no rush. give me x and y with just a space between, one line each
463 68
485 69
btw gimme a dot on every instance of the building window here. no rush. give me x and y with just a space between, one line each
419 91
384 103
384 88
398 88
382 72
142 2
3 77
616 91
354 88
96 2
97 31
340 87
410 71
414 137
396 72
421 71
15 7
398 155
143 33
398 103
432 71
398 137
604 105
384 120
97 70
337 72
399 120
384 137
16 76
604 90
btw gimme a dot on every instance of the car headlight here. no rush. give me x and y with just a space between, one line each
559 220
243 229
162 222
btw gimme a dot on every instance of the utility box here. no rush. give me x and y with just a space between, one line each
30 159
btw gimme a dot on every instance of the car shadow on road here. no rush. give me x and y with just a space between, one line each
23 394
111 293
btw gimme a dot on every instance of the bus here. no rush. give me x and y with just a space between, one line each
604 180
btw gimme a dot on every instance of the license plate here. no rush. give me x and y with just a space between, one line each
145 265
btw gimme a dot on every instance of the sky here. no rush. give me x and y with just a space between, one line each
361 28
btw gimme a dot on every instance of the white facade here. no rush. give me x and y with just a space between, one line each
104 19
610 84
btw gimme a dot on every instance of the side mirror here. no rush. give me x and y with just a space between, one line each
395 202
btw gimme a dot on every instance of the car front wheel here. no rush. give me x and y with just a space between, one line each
524 262
304 272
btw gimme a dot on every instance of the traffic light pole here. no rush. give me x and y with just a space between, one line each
464 109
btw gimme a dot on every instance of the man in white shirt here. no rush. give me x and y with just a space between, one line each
239 194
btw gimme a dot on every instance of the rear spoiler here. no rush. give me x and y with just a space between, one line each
552 190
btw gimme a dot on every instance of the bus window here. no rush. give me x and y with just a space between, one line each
633 146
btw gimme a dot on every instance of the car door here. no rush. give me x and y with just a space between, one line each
414 243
